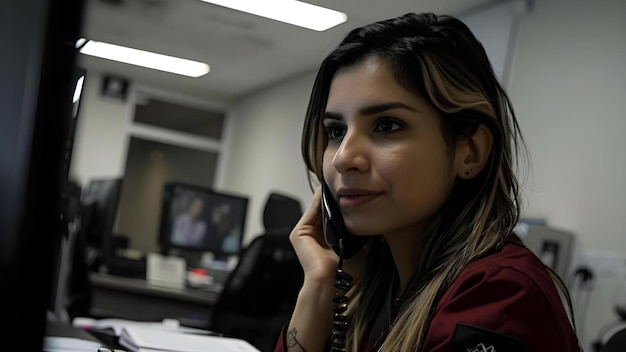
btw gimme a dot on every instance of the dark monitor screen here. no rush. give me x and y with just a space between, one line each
100 201
199 219
35 91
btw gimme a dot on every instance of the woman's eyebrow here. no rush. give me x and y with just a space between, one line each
378 108
332 115
369 110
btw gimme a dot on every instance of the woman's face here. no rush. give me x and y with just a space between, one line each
196 208
386 159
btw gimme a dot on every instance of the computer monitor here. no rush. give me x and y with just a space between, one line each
198 219
100 201
35 111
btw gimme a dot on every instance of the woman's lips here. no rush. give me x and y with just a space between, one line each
351 200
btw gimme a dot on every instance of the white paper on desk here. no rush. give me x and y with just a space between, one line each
69 344
145 339
117 325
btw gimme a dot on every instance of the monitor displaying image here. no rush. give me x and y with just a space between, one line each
202 220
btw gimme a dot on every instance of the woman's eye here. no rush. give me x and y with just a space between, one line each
335 131
387 125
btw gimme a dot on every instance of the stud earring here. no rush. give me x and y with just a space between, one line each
468 172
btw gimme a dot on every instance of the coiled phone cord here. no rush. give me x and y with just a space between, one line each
343 281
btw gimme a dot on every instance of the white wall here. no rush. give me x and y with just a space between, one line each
568 85
100 145
569 88
265 151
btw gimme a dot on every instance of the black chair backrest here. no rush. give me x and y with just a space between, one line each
260 293
281 212
616 343
265 281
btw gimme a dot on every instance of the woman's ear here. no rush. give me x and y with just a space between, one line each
472 154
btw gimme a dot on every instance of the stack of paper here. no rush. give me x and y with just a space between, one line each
69 344
146 339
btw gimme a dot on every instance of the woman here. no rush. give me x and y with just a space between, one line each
189 228
416 139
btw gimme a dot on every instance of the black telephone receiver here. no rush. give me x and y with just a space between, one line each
345 245
335 232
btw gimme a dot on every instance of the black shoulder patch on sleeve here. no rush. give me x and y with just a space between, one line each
472 339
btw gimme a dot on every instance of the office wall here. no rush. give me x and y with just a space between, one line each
264 153
101 141
568 84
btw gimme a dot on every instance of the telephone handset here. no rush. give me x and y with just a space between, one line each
345 245
336 234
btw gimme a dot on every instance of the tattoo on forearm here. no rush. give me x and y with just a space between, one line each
292 341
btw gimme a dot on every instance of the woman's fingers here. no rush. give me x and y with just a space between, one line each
310 224
313 215
307 238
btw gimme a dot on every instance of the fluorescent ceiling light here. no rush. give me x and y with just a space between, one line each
289 11
143 58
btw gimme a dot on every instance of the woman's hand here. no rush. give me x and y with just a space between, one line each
311 323
317 259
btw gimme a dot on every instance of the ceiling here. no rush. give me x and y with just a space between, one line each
246 52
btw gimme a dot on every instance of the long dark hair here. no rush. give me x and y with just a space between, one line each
438 58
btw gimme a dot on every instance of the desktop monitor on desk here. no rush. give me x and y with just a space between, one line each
196 220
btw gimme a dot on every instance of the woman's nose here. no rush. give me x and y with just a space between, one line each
351 154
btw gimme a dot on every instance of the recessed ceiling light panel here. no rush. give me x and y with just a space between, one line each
143 58
294 12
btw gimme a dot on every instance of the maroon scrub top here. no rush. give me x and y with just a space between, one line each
506 301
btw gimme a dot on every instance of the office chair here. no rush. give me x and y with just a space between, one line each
259 295
281 212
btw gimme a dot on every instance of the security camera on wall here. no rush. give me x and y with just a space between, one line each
115 87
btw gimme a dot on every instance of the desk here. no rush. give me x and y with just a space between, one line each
135 299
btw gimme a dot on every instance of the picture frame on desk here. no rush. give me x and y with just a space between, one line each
167 271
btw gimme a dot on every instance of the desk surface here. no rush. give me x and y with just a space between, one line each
140 286
61 329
